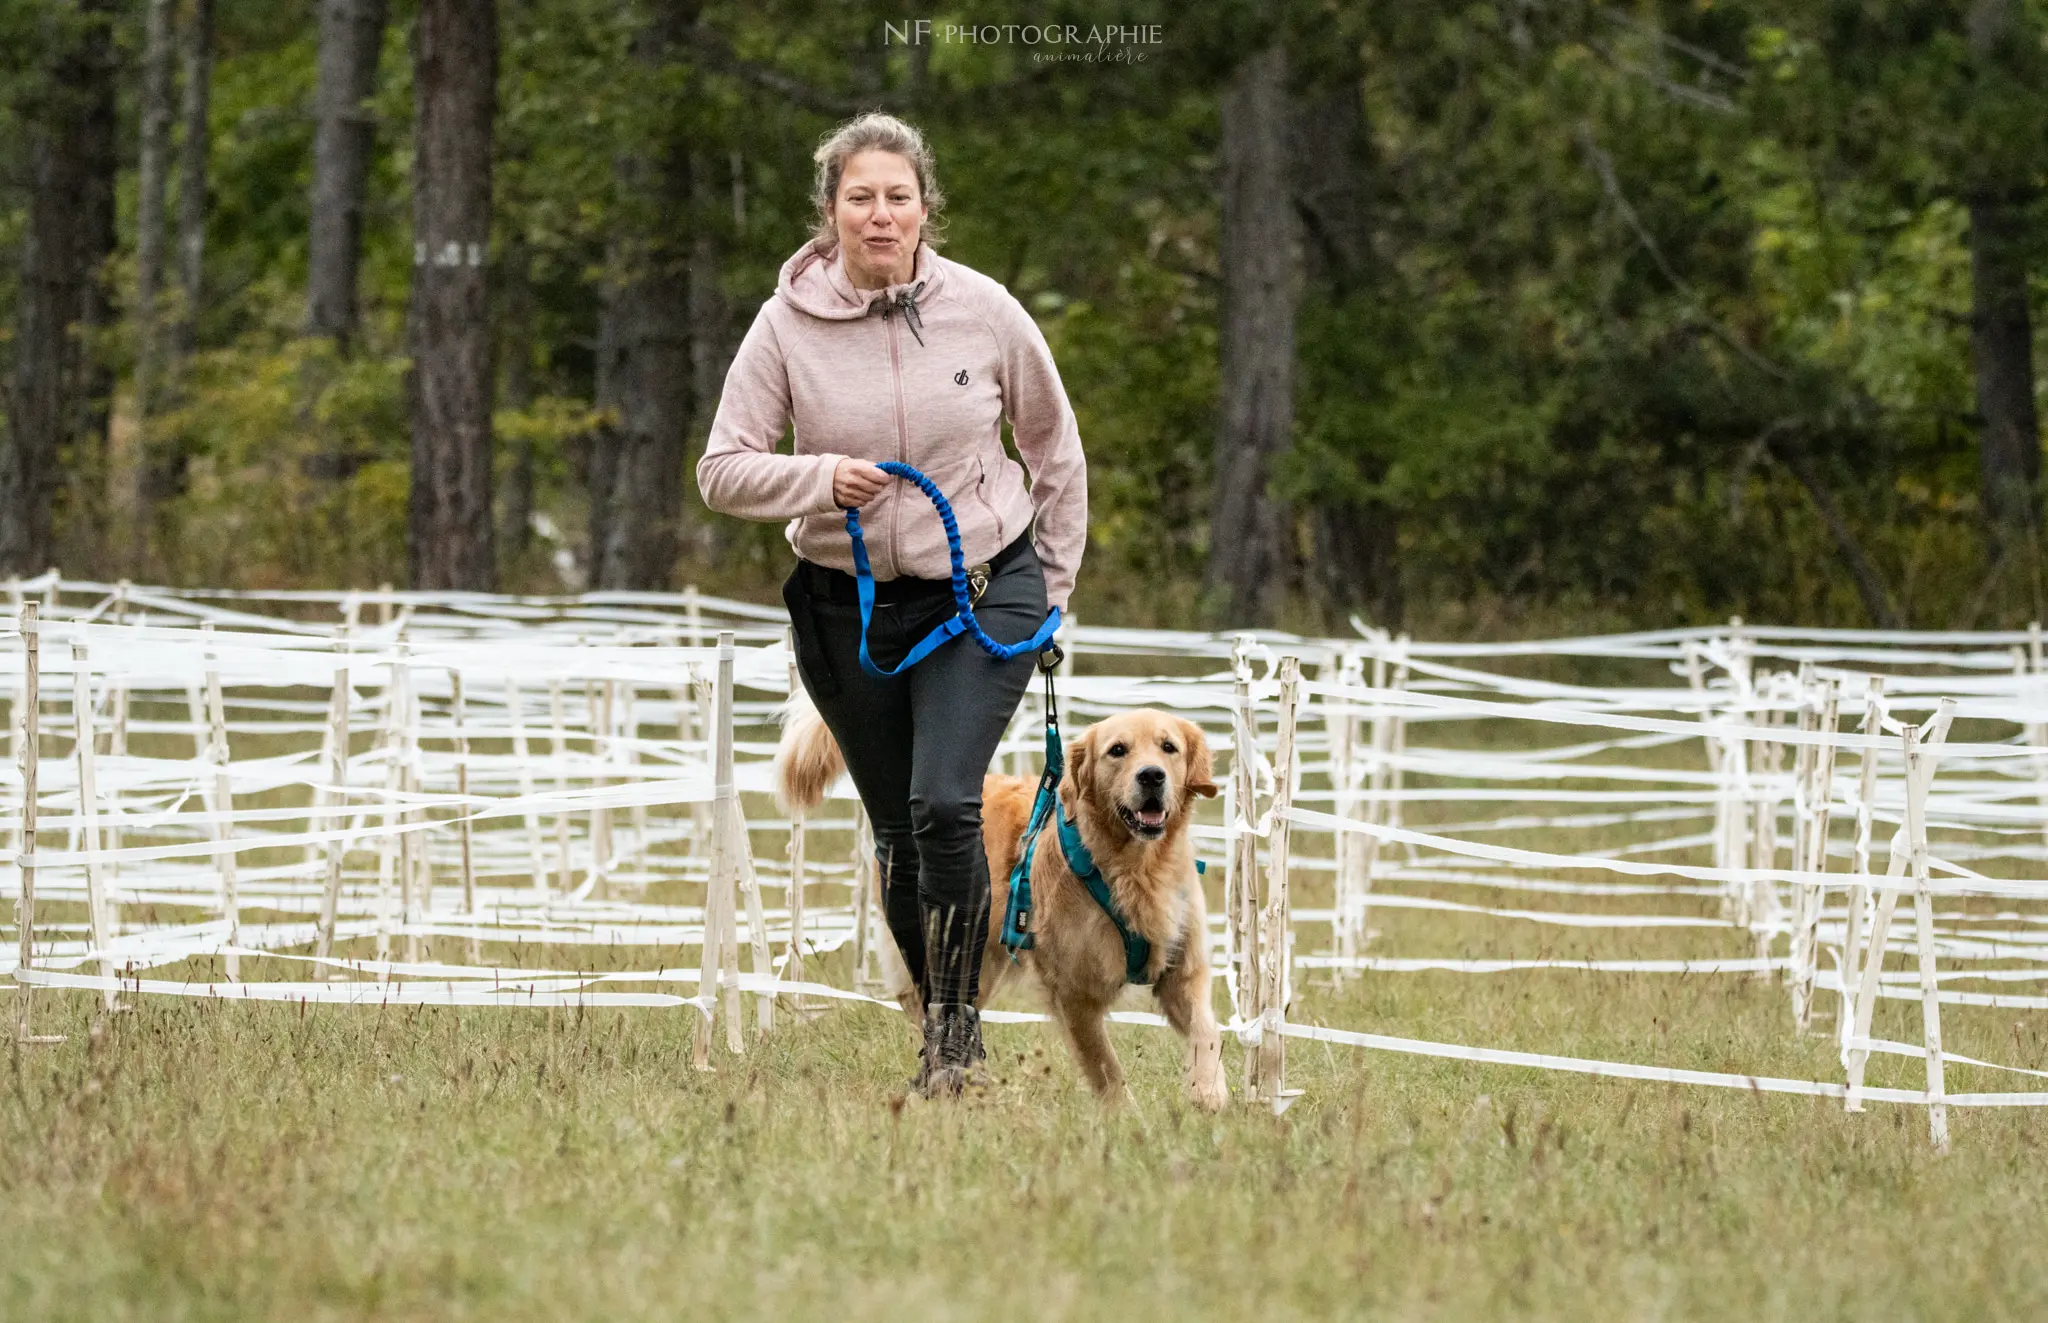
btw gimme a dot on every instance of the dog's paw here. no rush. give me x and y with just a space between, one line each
1210 1094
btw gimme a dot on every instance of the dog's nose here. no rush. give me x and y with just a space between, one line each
1152 778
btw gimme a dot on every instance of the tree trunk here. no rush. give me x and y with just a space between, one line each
59 395
1248 526
644 372
97 220
2001 333
153 168
193 176
1332 163
515 349
159 54
1358 560
711 345
1877 601
719 220
2001 350
1357 551
351 37
163 461
711 340
455 63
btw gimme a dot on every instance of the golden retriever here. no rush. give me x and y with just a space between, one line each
1129 786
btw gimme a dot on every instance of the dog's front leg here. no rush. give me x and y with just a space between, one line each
1087 1030
1184 1000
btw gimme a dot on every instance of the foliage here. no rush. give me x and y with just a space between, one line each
261 421
1621 258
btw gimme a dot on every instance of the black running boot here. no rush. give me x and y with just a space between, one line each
953 1055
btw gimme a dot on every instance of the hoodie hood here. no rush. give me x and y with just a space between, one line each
814 281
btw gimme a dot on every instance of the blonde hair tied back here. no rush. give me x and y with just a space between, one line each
875 131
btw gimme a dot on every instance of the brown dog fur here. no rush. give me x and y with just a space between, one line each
1078 956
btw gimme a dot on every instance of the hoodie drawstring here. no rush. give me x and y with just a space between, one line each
907 301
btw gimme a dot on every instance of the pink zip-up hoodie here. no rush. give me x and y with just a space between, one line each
859 374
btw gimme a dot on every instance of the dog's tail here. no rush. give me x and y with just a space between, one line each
807 761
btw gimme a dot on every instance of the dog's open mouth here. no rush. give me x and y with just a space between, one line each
1145 823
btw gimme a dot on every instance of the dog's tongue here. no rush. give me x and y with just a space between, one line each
1152 817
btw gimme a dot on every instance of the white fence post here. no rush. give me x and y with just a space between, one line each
629 698
558 728
98 906
866 883
1241 899
1816 792
388 747
739 848
1397 745
1917 786
701 816
1340 719
2037 730
467 841
30 722
414 898
515 708
597 704
1765 913
337 773
224 807
1925 746
1275 915
1857 920
793 962
720 967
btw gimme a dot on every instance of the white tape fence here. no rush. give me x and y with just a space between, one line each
450 798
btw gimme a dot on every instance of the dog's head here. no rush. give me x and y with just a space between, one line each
1140 770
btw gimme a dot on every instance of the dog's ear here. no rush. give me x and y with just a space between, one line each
1201 769
1080 752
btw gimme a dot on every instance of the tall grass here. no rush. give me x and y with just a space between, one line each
195 1160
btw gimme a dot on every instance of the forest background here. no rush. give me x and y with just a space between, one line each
1471 318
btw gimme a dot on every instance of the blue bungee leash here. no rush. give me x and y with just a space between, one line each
963 621
1017 933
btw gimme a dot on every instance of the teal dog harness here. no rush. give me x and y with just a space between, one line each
1017 934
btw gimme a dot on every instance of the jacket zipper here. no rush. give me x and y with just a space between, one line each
902 440
981 492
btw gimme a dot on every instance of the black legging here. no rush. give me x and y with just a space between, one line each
917 746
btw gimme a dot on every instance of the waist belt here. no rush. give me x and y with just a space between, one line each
843 589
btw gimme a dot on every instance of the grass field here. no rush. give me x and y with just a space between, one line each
207 1161
204 1161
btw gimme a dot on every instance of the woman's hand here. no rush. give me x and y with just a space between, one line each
855 482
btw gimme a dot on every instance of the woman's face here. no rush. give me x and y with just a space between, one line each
879 211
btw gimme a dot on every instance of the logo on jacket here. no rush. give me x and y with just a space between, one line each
960 377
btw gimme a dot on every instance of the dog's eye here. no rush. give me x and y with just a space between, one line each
1166 746
1117 750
